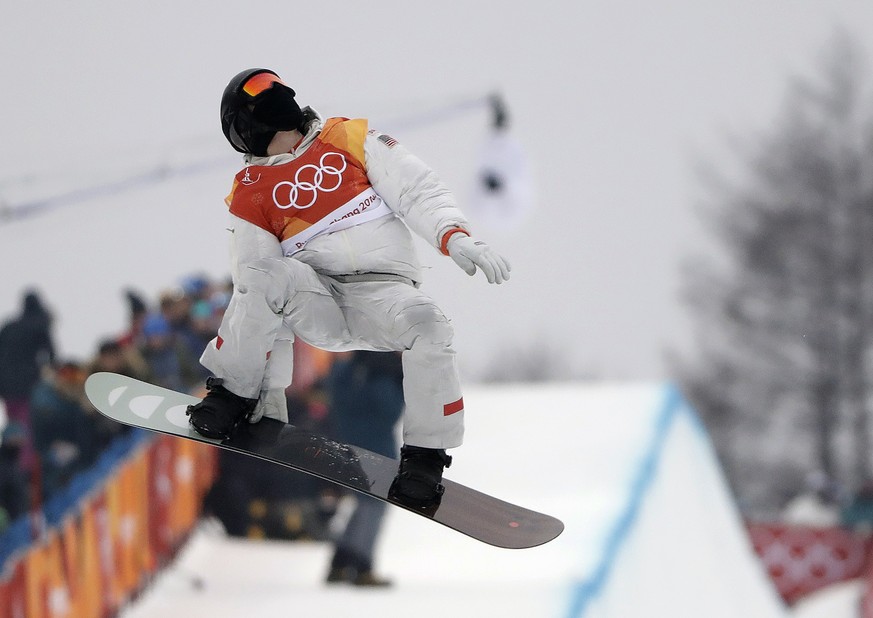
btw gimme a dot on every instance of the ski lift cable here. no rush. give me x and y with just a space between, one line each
27 209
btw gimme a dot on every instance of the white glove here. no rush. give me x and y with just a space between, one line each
272 404
468 254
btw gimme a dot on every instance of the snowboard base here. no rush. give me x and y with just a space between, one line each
461 508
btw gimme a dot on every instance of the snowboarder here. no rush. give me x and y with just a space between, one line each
321 249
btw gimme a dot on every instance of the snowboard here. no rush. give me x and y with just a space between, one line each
461 508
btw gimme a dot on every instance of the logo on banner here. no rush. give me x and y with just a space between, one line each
309 180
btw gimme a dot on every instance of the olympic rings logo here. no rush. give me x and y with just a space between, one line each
327 176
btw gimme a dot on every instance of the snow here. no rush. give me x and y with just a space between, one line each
650 527
837 601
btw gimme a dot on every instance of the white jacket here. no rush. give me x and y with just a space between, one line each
418 199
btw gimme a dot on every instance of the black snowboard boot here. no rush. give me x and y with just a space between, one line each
347 567
219 412
418 482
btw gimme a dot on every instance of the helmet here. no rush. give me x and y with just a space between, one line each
248 121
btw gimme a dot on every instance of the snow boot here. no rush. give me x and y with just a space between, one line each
347 567
418 482
362 579
219 412
368 579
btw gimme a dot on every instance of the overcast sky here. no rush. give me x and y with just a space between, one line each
613 102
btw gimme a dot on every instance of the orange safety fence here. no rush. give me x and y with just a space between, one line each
106 549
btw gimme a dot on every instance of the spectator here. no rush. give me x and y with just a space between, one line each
201 329
25 347
113 357
170 363
14 495
65 437
220 298
138 313
366 396
196 287
175 306
858 513
203 323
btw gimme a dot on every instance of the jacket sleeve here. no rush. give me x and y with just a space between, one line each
412 190
250 243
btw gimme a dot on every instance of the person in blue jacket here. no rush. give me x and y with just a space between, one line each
366 403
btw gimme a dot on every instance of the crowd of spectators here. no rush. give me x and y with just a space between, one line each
51 430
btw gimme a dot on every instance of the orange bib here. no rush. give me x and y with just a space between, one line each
324 190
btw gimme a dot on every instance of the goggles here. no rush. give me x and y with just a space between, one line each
259 83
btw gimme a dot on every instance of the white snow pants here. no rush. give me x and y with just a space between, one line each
278 298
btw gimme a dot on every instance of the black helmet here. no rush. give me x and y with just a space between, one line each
249 121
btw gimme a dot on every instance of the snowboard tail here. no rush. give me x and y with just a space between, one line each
461 508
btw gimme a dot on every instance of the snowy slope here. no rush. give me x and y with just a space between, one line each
651 530
837 601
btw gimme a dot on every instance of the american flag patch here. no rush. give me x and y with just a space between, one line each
387 140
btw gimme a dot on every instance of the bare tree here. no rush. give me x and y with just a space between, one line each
782 374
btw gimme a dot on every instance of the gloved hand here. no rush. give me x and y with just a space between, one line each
272 404
468 254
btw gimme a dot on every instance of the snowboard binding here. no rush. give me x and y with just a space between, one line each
219 413
418 483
